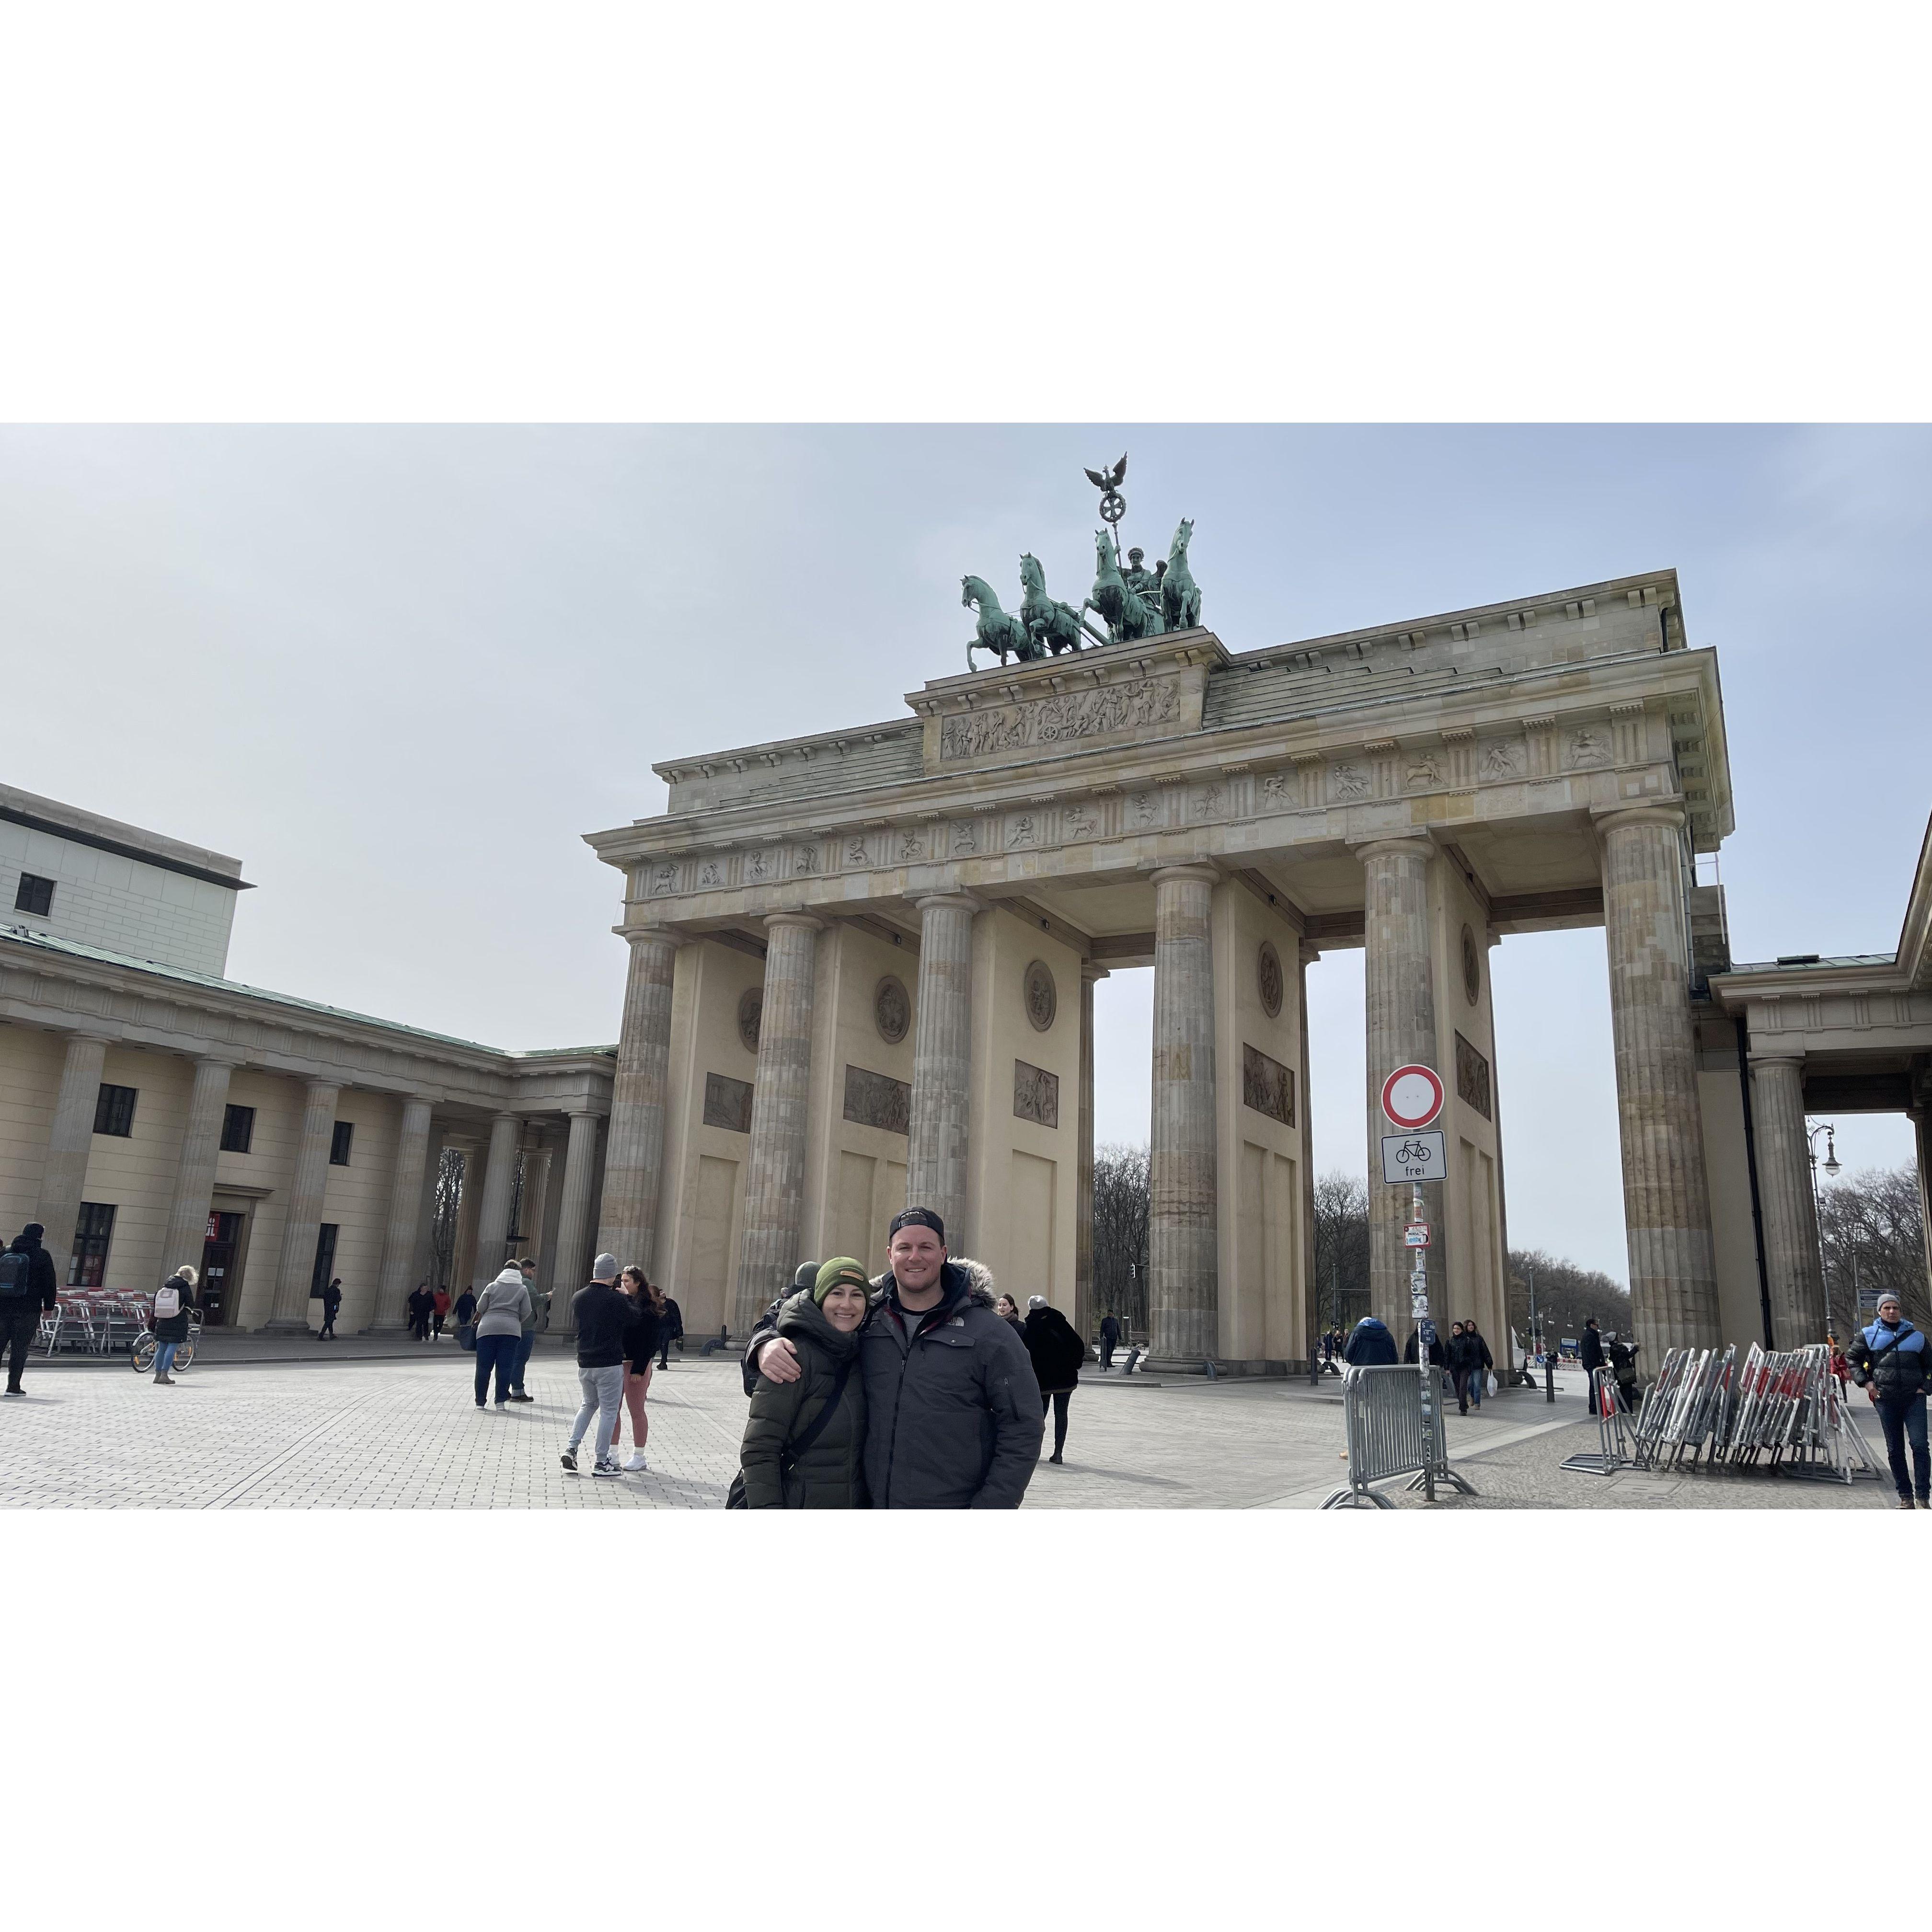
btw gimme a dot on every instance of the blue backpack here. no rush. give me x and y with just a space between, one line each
16 1273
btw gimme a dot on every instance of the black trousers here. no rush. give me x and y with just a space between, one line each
1058 1400
328 1321
18 1327
1902 1419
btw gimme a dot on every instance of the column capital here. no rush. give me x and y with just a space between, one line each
955 901
1090 973
810 921
230 1061
1618 817
1198 870
1310 952
635 936
585 1113
506 1113
1411 847
1774 1057
320 1083
92 1034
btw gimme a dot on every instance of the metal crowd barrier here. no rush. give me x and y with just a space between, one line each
1388 1436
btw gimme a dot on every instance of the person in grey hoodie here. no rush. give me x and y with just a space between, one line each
500 1312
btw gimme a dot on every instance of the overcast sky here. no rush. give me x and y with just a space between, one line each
399 672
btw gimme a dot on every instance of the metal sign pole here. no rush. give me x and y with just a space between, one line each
1418 1290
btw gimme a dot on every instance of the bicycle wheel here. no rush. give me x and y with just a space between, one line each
141 1355
184 1353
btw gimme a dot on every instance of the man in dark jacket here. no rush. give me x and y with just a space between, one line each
1110 1339
1590 1354
331 1307
1889 1362
1477 1361
952 1411
670 1329
1057 1353
1370 1345
420 1304
600 1313
27 1286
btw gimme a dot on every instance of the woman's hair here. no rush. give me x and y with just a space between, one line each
656 1293
186 1273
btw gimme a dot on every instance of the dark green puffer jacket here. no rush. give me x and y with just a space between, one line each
832 1475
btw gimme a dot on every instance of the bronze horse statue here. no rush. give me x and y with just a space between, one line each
1053 626
1129 616
1180 595
998 630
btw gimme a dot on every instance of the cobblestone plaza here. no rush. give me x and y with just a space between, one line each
401 1432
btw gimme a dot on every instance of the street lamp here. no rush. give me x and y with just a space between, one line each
1833 1168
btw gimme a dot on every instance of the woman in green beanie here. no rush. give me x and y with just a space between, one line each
805 1441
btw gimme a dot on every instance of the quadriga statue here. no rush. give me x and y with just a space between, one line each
1180 595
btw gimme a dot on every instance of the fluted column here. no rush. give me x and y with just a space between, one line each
1667 1199
1921 1115
500 1180
941 1120
1083 1172
1311 1289
633 1155
774 1171
1792 1258
404 1227
296 1269
570 1268
194 1174
1183 1302
1400 1004
70 1141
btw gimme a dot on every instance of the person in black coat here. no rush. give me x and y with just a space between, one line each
421 1304
1370 1345
1057 1352
32 1288
670 1328
1110 1339
1590 1354
332 1303
171 1327
1476 1364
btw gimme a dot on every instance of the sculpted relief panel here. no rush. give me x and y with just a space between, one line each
877 1100
1061 719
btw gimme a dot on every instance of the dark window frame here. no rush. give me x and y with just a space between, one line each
34 895
238 1129
114 1110
93 1236
340 1142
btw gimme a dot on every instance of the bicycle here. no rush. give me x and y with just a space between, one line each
141 1356
1413 1154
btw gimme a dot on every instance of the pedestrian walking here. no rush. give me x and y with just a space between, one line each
952 1412
1889 1363
1591 1356
1479 1362
173 1300
1008 1310
640 1343
28 1288
535 1322
804 1440
1110 1340
422 1305
1057 1352
500 1309
466 1307
331 1305
1370 1343
600 1311
438 1311
670 1328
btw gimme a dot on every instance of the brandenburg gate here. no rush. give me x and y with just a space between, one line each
863 962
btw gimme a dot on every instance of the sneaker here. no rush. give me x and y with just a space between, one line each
482 1404
634 1461
1906 1502
16 1391
611 1469
168 1382
519 1396
568 1459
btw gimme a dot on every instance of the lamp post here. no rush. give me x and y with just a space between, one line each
1833 1168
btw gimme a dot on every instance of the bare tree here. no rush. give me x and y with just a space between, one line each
1566 1295
1120 1234
1873 1233
449 1174
1341 1284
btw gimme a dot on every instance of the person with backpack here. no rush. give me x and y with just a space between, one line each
173 1301
28 1288
1057 1352
331 1304
1889 1362
804 1440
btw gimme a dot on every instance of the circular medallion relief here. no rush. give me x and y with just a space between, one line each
1472 967
1268 980
1042 998
751 1007
891 1010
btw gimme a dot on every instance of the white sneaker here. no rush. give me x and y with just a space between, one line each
634 1460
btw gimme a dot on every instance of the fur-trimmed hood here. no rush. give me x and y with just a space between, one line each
981 1289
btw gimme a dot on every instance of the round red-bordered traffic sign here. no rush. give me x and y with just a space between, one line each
1412 1096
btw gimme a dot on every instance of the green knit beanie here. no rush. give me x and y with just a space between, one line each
841 1270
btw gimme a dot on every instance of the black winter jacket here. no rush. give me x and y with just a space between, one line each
1590 1353
952 1410
600 1313
173 1327
1898 1369
1474 1351
1438 1355
1370 1345
1055 1350
831 1475
42 1282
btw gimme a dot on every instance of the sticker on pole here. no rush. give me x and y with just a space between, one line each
1416 1235
1412 1096
1417 1156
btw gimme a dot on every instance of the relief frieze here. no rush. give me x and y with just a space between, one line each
1061 719
877 1100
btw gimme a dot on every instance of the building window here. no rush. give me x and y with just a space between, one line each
36 895
238 1129
114 1111
91 1235
338 1144
324 1259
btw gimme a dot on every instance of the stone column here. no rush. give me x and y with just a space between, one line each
194 1175
299 1231
1182 1306
572 1267
64 1179
499 1178
1793 1257
404 1227
634 1158
942 1051
1083 1172
1920 1113
1400 1001
1666 1200
775 1168
1311 1289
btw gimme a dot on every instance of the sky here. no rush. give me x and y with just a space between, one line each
400 671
